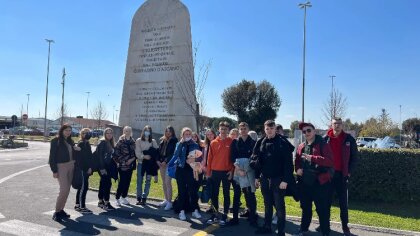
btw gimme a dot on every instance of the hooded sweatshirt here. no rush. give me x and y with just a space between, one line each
336 148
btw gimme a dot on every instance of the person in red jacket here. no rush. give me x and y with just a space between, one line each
220 169
345 154
314 165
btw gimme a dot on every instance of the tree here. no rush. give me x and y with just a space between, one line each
191 86
99 114
215 125
251 102
380 127
62 113
335 106
348 125
293 126
411 127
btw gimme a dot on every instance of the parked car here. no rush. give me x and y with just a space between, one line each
53 132
386 143
74 132
96 133
363 141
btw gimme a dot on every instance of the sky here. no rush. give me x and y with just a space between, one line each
372 47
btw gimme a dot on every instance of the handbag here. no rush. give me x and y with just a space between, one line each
77 180
171 171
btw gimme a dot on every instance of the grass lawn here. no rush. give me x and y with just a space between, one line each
398 216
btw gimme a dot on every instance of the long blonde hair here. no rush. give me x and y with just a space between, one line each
110 143
126 128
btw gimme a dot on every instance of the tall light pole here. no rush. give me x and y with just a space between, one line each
304 6
116 116
87 105
27 105
63 80
113 114
400 127
46 134
332 97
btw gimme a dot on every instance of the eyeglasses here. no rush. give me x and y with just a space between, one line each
306 131
337 123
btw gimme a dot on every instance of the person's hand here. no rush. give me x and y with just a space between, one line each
76 148
103 172
159 164
89 172
163 164
307 157
147 157
230 175
283 185
299 172
242 173
55 175
257 183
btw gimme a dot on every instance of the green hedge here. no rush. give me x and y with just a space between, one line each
386 175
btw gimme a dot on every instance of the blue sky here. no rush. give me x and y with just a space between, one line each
371 46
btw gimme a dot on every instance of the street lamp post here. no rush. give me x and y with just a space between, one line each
27 105
62 96
46 134
332 96
116 116
87 105
304 6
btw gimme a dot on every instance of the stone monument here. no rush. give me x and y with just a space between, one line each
159 78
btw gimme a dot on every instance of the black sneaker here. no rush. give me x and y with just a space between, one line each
212 220
64 214
210 211
138 203
77 208
233 222
244 214
57 217
101 203
85 211
108 207
301 233
222 222
263 230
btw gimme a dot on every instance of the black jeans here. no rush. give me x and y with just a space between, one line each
81 192
340 186
187 186
124 183
105 187
273 196
321 196
216 178
251 201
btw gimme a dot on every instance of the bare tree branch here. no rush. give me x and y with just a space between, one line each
99 114
335 106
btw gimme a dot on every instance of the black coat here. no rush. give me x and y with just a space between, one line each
59 153
170 149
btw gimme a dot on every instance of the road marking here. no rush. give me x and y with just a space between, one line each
207 230
19 173
22 228
133 225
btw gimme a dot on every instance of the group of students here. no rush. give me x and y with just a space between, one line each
234 158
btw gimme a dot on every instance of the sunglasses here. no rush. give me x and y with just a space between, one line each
306 131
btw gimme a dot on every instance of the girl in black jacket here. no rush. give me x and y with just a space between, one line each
104 152
84 164
61 162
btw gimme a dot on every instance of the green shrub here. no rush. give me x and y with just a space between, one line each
386 175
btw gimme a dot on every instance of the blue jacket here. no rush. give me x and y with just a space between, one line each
180 153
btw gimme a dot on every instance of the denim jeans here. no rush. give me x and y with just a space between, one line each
142 193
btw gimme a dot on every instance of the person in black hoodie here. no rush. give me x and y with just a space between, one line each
84 164
274 174
166 151
61 162
104 152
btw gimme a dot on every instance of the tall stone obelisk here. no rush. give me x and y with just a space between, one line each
159 78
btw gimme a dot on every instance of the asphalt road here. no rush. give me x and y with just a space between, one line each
27 200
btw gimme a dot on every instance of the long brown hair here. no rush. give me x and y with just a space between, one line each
142 137
61 138
171 130
109 143
207 140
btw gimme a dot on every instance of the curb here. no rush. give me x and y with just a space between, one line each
297 219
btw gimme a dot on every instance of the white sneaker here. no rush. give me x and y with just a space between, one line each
182 215
117 202
168 206
125 201
274 222
196 214
162 204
